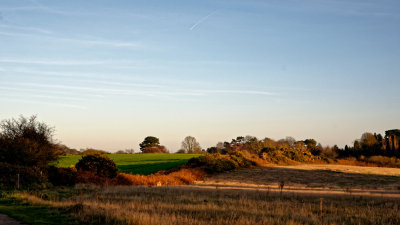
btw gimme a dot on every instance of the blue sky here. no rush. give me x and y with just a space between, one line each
107 74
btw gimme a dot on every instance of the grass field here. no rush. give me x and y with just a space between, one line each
197 206
137 163
227 201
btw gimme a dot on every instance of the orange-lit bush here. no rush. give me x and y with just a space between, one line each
155 149
87 177
180 177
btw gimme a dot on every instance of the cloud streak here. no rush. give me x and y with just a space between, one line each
62 105
143 91
62 62
201 20
34 29
94 42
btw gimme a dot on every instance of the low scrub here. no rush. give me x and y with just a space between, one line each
216 163
100 165
383 161
180 177
288 156
12 176
62 176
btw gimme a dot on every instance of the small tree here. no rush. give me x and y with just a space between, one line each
149 141
190 145
100 165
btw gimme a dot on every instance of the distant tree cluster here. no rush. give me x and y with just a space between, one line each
374 144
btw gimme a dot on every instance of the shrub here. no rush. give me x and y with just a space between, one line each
62 176
27 142
99 165
215 163
384 161
86 177
155 149
28 176
180 177
91 151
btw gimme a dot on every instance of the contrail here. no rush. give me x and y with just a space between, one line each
202 20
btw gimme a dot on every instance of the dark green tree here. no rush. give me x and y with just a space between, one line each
311 144
100 165
149 142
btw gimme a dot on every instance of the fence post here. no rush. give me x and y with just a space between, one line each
18 181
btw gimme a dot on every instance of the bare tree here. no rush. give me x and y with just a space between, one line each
130 151
190 145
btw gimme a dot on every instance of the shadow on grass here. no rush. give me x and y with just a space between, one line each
33 214
310 178
149 168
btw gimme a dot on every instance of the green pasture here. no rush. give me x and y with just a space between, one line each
137 163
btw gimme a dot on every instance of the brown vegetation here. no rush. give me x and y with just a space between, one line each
178 205
180 177
311 176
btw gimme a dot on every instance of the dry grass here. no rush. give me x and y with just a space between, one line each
349 198
312 176
191 206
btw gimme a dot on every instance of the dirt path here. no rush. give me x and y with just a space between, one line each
6 220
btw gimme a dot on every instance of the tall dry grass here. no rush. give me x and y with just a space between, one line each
180 205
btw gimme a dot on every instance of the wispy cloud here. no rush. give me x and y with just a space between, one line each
47 92
245 92
38 7
143 91
61 62
111 43
24 28
201 20
24 100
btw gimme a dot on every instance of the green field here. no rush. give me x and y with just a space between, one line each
137 163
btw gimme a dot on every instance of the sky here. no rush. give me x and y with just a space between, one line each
106 74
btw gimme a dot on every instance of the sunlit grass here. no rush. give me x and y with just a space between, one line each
137 163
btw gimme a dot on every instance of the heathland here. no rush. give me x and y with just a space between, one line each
245 181
310 194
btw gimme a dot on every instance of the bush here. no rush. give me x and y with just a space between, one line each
62 176
94 152
215 163
28 176
99 165
27 142
180 177
156 149
383 161
87 177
